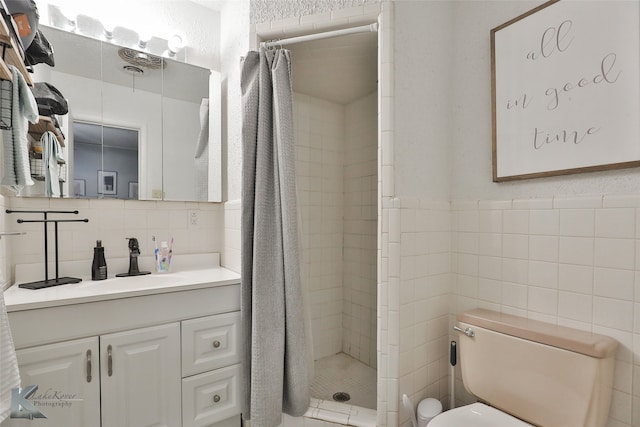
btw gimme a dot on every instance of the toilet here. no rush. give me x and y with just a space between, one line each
531 373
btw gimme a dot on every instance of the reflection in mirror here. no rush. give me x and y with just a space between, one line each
185 148
173 107
112 150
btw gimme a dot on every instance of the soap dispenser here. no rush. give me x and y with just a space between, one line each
99 266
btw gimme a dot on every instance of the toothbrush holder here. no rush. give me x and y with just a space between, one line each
163 259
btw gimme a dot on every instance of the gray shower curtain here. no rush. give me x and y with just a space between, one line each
275 354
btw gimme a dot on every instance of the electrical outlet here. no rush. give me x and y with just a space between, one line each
194 217
156 194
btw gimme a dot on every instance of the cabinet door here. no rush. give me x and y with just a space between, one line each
67 376
140 377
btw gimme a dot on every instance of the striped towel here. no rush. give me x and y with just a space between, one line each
14 140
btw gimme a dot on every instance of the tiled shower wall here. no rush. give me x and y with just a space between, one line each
360 230
570 261
336 167
319 133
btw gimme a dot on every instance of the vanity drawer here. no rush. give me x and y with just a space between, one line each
211 397
210 343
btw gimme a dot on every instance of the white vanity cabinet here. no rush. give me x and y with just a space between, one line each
134 380
164 359
140 377
67 376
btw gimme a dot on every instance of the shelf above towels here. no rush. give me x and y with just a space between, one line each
11 56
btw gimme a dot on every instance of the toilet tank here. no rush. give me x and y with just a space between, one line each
545 374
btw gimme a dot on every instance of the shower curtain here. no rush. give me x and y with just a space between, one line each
276 363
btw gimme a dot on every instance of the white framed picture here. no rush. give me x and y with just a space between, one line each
565 90
107 182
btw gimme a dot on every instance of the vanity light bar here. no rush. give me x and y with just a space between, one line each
175 43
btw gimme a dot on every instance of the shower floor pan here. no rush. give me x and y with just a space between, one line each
342 373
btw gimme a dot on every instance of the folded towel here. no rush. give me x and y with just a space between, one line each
9 374
14 140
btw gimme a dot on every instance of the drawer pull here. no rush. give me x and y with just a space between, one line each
109 361
216 398
216 344
88 366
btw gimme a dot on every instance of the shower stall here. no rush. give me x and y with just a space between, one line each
335 119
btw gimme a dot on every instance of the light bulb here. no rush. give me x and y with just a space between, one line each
176 43
70 14
143 37
108 23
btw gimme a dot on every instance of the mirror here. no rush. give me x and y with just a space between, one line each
139 126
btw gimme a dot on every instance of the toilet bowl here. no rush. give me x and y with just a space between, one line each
476 415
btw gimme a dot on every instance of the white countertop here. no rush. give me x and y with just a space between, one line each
17 299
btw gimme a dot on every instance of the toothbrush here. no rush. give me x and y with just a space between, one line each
155 243
170 250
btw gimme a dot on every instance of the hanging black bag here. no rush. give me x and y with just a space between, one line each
50 100
39 51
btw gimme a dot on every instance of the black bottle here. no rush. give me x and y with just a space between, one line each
99 266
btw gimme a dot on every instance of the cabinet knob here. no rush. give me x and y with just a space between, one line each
216 398
216 344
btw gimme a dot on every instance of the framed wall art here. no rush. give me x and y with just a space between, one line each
565 90
107 182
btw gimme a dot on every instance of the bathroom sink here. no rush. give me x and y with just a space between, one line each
135 282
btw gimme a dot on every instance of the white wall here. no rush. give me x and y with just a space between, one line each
472 117
423 98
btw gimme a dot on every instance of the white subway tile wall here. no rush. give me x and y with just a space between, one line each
418 356
112 221
573 262
336 167
359 316
319 127
230 256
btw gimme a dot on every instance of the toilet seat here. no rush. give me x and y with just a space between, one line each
476 415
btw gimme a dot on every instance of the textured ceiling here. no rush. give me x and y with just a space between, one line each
339 69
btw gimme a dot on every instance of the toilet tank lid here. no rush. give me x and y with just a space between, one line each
584 342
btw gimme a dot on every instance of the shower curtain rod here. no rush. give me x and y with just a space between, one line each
373 28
